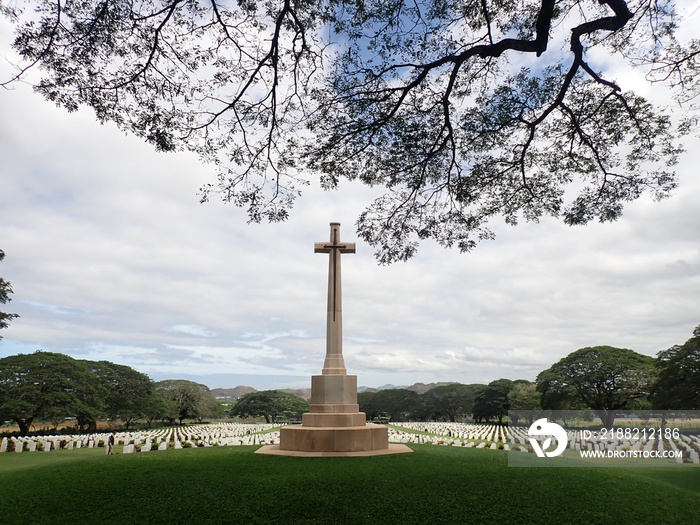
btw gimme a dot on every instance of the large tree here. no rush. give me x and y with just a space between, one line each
493 402
450 401
270 404
399 404
678 383
187 399
5 292
463 111
128 392
524 398
48 386
603 378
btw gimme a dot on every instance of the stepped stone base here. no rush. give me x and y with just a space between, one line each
275 450
334 439
334 425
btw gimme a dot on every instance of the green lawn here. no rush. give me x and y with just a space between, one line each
222 485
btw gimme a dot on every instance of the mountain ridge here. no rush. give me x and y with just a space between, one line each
240 390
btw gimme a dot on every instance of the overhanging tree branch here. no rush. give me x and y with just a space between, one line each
423 97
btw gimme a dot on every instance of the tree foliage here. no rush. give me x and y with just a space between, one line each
450 401
603 378
678 382
5 292
270 404
399 404
493 402
524 398
463 111
48 386
128 391
187 399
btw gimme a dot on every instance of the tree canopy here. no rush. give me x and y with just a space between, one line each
270 404
492 402
48 386
187 399
5 292
678 383
602 378
463 111
450 401
127 391
398 404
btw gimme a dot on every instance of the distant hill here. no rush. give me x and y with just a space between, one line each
304 393
232 393
422 388
235 393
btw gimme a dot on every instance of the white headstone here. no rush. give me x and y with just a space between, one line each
3 445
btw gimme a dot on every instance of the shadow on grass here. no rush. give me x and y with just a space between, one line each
436 485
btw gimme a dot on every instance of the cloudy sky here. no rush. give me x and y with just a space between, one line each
111 256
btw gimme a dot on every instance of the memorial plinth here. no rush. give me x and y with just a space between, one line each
334 425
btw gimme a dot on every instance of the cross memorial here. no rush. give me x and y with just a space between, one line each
334 425
334 363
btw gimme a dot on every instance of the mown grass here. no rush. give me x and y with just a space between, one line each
223 485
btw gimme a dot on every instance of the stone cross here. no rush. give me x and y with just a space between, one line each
334 363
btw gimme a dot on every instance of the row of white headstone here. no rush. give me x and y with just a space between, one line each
231 434
456 434
227 434
214 434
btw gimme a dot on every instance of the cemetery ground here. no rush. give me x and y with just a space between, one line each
435 484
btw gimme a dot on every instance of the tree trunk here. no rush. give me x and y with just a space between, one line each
24 424
607 417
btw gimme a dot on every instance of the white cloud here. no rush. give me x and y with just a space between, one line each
111 256
192 329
